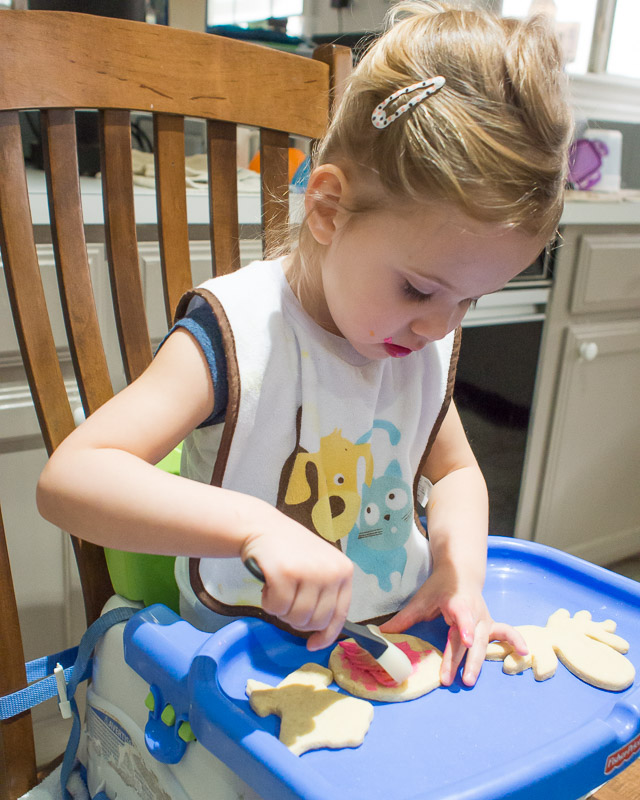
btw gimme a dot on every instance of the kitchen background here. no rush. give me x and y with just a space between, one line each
552 415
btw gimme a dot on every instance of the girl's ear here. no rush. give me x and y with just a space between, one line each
326 188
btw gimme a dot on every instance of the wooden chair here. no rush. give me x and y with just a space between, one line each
17 750
57 62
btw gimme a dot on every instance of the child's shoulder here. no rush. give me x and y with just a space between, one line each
257 274
253 292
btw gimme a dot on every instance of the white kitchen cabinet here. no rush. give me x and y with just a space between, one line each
582 472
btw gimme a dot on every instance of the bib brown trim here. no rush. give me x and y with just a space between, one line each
451 379
230 422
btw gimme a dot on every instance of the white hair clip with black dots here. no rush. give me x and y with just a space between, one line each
379 117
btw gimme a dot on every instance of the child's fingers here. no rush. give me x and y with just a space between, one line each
323 638
278 596
404 619
421 608
452 657
476 655
312 608
459 615
501 632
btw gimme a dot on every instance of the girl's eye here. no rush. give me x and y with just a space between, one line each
413 293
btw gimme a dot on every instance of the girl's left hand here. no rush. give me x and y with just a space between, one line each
471 625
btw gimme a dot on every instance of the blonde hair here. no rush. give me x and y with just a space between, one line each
493 141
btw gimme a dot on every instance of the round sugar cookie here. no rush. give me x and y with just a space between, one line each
358 673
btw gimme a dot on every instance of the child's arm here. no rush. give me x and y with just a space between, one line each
457 517
100 485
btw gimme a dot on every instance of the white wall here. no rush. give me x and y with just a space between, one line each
362 15
187 14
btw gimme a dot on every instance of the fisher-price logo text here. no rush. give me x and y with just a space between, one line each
625 753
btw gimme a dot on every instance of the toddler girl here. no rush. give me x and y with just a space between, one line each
313 391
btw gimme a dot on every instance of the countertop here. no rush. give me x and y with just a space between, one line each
581 208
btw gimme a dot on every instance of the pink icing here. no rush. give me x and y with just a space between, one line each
365 669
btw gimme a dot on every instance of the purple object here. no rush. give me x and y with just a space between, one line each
585 160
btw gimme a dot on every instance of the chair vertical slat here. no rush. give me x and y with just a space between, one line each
340 61
274 168
94 577
173 229
122 248
17 748
33 328
223 196
72 263
26 293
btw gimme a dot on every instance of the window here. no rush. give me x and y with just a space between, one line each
574 20
612 50
599 38
240 12
624 58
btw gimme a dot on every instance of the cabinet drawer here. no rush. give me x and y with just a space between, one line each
608 274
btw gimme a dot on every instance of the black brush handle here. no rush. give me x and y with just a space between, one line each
254 568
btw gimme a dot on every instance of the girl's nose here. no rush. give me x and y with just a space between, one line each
437 321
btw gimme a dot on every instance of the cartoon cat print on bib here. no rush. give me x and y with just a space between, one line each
334 493
386 518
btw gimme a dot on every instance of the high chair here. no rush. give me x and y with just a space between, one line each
55 63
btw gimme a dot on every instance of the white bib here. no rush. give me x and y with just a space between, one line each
333 439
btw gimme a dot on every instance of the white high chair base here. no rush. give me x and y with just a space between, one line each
113 748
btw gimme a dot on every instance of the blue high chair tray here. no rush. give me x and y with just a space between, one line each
510 736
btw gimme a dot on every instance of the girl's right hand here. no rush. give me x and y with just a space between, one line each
307 580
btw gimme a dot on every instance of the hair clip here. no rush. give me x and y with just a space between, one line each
379 117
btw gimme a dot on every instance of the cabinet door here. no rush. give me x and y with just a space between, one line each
590 503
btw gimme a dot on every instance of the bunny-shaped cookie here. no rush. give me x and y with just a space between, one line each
590 650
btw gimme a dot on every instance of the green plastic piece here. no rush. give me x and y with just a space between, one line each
144 577
168 716
171 462
150 702
185 733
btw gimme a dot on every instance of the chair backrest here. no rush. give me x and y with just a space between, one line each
56 62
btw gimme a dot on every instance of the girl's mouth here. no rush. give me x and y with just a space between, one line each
396 350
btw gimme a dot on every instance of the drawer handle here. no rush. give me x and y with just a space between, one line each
588 351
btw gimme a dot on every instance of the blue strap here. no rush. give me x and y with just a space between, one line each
77 664
81 671
43 667
13 704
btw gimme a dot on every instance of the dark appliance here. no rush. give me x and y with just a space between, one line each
495 383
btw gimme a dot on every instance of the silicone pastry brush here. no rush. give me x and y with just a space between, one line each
391 658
